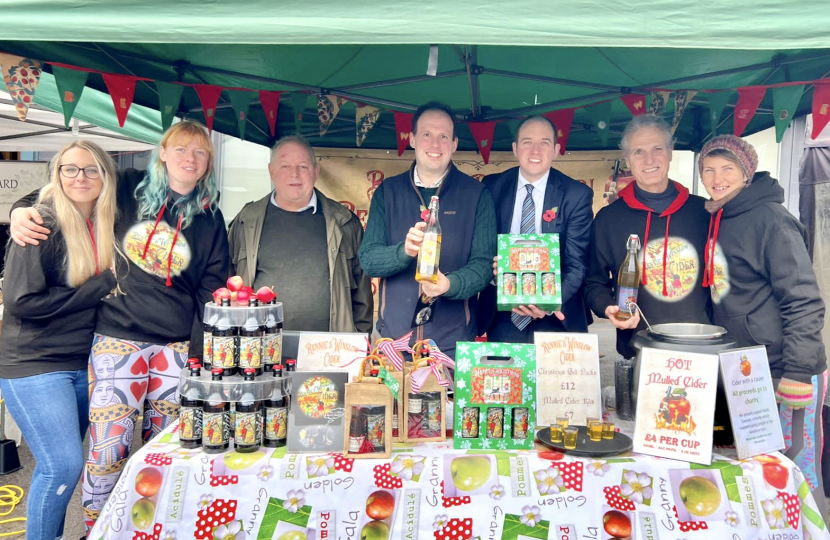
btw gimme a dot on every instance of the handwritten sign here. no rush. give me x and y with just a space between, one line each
324 351
751 399
676 405
567 377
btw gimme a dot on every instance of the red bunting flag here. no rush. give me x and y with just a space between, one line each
122 91
209 98
270 102
562 119
821 108
636 103
403 127
749 97
483 134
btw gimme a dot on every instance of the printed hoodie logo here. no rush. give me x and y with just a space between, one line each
682 267
155 262
720 286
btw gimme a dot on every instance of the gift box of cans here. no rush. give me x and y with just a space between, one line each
529 272
495 396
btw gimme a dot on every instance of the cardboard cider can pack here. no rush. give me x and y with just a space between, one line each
529 272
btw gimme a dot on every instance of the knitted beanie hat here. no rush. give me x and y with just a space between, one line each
742 151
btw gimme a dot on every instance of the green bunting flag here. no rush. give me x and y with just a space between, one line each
170 95
70 83
298 101
600 115
785 102
241 103
717 103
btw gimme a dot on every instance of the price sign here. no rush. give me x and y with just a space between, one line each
567 377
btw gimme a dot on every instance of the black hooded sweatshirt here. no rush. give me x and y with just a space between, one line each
671 278
165 289
764 289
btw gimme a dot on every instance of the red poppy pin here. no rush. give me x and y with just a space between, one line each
424 213
550 215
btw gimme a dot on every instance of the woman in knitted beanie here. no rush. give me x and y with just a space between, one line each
765 292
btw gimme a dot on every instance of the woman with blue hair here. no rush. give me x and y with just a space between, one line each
173 236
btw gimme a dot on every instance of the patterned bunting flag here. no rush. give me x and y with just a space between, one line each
784 103
601 116
636 103
209 98
241 103
403 127
298 103
563 120
366 117
327 108
659 102
483 135
70 83
821 108
749 97
681 101
270 102
717 103
170 95
21 77
122 92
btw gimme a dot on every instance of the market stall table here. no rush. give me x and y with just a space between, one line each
430 491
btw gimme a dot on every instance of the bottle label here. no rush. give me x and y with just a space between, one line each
428 255
276 423
626 295
395 421
216 428
248 429
208 347
434 415
250 352
377 429
272 348
190 423
224 351
355 442
415 405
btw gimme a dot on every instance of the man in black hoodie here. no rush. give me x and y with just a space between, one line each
672 227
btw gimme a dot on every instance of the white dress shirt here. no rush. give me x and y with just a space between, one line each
539 187
311 203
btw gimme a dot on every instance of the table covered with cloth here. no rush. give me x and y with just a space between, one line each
430 491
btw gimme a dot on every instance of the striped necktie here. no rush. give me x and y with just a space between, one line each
528 226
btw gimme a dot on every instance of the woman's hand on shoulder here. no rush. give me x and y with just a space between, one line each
26 227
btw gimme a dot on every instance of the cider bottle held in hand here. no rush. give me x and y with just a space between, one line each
628 279
430 252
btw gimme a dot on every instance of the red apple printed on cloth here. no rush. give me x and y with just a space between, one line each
617 524
148 481
380 505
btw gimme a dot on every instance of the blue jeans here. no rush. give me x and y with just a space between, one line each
52 411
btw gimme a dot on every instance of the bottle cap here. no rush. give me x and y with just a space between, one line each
192 361
290 362
217 371
249 370
277 370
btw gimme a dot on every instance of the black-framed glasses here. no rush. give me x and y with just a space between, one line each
71 171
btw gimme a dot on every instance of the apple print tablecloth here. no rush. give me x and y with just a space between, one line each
432 492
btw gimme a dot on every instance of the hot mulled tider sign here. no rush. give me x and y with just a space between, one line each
676 405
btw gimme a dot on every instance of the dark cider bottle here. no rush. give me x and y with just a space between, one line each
190 414
247 435
276 416
216 420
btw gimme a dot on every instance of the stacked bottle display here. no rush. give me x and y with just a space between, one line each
257 415
237 338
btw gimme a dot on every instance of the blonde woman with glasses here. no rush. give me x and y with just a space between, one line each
52 292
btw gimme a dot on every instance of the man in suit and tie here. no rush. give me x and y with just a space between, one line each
522 196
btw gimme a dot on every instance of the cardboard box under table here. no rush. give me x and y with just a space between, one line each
529 272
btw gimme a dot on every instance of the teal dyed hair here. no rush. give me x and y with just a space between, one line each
152 192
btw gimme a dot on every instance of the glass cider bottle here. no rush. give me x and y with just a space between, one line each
628 279
430 252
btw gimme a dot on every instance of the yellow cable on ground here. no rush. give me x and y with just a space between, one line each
10 497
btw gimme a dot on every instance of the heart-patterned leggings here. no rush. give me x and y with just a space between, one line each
125 376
